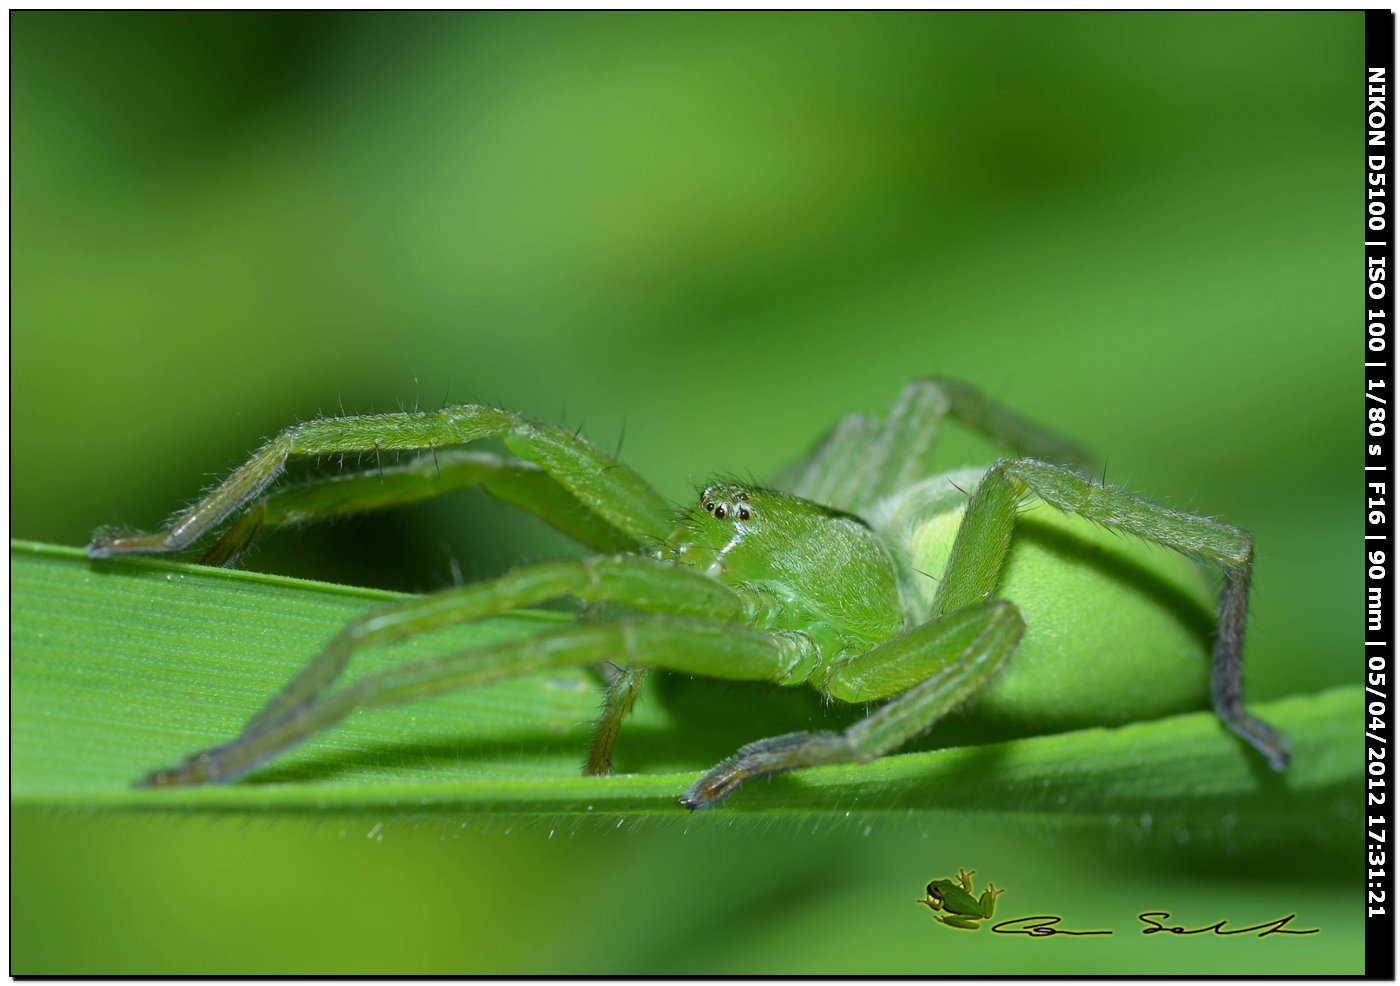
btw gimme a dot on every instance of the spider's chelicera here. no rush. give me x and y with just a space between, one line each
838 582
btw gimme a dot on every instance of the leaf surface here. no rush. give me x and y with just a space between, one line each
120 667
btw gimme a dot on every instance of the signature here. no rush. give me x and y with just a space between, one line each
1038 926
1047 925
1274 927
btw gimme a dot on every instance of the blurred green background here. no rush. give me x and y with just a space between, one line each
705 237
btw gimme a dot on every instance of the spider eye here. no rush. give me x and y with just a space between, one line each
744 513
719 512
709 508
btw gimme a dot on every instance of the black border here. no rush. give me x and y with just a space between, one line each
1378 219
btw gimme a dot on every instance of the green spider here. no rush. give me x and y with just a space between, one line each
870 580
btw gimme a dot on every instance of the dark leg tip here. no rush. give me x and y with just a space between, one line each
157 778
693 801
198 769
704 793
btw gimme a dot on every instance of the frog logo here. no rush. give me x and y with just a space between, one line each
954 899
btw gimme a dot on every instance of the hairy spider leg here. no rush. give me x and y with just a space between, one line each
592 497
622 692
899 455
831 473
984 538
862 461
931 669
514 481
678 643
598 481
1020 435
639 583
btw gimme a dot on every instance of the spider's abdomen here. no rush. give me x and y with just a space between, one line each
1112 622
831 573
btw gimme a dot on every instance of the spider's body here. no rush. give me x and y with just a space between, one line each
870 579
828 574
848 583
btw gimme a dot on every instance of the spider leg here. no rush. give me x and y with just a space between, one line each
512 481
640 583
861 461
899 455
617 705
601 484
832 474
931 669
686 644
971 408
980 549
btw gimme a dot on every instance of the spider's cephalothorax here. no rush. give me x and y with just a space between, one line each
867 575
820 571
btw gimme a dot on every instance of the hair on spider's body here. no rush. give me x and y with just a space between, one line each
861 572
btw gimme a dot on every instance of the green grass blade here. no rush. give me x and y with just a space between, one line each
120 667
